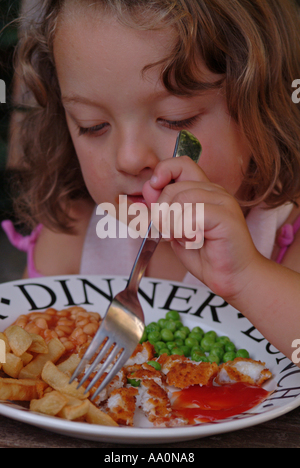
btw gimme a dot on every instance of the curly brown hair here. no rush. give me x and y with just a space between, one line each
254 46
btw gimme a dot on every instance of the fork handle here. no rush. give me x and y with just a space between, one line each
144 255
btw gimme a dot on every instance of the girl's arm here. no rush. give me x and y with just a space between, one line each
229 263
270 299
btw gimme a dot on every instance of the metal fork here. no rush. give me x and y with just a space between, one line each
123 324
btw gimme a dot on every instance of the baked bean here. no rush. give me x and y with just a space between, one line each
90 329
51 312
68 345
74 326
82 323
22 321
63 313
66 322
65 329
76 333
41 323
82 339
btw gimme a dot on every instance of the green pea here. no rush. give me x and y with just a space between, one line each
198 330
173 315
212 357
179 342
180 334
186 350
197 348
179 324
164 351
229 356
223 339
144 337
230 347
153 326
197 355
154 364
242 353
161 322
170 345
197 336
218 352
207 343
177 351
154 336
160 344
212 335
133 382
191 342
186 330
167 335
170 325
204 359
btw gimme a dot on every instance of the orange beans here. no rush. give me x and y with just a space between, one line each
73 326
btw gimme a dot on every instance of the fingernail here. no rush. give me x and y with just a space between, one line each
154 179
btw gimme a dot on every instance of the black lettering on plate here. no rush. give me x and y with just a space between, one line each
147 298
249 334
173 295
86 286
51 297
213 308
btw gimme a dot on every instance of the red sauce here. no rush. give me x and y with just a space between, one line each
212 403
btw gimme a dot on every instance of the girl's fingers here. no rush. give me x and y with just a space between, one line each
181 208
168 171
177 169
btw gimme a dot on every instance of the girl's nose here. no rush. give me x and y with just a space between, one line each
135 154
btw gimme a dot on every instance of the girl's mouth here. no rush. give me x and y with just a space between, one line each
136 198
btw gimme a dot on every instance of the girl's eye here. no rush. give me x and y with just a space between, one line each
180 124
97 130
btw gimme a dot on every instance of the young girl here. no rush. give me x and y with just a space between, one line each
114 81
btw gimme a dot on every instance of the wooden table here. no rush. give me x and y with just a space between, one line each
283 432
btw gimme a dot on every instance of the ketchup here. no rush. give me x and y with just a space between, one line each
211 403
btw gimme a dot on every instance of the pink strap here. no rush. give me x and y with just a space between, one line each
25 244
286 238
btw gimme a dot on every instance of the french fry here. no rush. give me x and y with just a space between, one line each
70 364
21 390
51 403
38 344
60 381
34 369
18 338
74 409
96 416
13 365
26 358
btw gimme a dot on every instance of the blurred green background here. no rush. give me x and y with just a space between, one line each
9 10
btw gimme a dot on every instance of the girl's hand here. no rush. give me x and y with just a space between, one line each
224 262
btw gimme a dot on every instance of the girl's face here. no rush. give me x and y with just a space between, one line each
123 121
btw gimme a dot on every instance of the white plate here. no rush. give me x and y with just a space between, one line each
198 307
